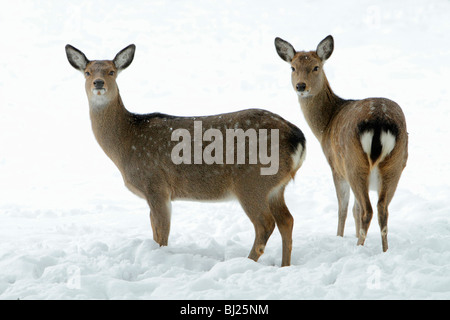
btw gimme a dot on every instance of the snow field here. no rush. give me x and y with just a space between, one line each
69 229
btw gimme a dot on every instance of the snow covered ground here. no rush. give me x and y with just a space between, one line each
69 229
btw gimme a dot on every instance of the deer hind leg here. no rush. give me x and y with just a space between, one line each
259 213
359 183
285 224
160 212
357 216
387 189
383 214
365 217
343 195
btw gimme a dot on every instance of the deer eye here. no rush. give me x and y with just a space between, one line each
316 68
293 69
111 73
87 73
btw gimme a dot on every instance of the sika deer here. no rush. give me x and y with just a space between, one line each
146 149
365 141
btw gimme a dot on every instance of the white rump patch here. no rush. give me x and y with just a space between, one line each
366 141
388 142
298 157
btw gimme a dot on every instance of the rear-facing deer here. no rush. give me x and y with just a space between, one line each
365 141
143 146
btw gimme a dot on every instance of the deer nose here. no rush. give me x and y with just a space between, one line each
99 84
301 87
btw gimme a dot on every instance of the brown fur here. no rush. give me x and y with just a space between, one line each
140 146
336 124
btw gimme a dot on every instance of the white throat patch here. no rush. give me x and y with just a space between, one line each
98 102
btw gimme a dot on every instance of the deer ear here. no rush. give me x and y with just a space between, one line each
124 58
325 48
284 49
76 58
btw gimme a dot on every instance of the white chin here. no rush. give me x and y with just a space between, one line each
303 94
98 92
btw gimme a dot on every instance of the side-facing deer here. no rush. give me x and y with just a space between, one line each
365 141
142 147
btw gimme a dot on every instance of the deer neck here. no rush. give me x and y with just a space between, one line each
319 109
111 124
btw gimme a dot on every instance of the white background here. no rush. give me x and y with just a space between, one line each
69 229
